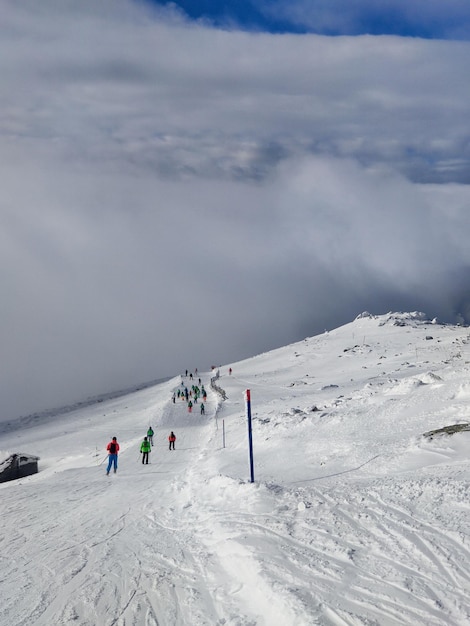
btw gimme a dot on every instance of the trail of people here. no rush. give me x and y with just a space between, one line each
142 550
122 563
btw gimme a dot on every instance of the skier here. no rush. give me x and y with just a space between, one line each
150 434
230 370
145 448
190 406
203 410
172 439
113 449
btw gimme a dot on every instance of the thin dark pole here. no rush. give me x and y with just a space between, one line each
250 437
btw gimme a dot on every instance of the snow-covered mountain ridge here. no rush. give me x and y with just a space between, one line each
355 517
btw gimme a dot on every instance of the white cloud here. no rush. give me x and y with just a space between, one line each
172 192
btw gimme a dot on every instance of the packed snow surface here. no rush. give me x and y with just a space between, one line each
355 517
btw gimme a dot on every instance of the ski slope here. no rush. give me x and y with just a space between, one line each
354 518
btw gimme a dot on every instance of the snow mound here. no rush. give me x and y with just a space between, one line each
405 319
430 378
364 315
405 386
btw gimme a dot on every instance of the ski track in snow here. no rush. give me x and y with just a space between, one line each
359 530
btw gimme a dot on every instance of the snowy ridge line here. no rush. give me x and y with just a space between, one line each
49 414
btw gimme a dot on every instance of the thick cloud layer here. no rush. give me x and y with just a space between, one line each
175 196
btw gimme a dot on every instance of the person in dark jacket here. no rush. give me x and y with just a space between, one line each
172 439
113 449
145 448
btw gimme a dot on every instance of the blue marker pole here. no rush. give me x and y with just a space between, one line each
250 438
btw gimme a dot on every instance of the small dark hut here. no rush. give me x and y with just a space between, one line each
18 466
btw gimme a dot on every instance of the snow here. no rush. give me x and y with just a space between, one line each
354 518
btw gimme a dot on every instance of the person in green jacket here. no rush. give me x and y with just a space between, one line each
150 435
145 448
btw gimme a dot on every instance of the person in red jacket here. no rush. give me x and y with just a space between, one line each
172 439
113 449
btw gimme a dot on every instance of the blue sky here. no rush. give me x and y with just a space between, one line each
429 19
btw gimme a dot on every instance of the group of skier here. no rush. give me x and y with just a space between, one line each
187 395
145 449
